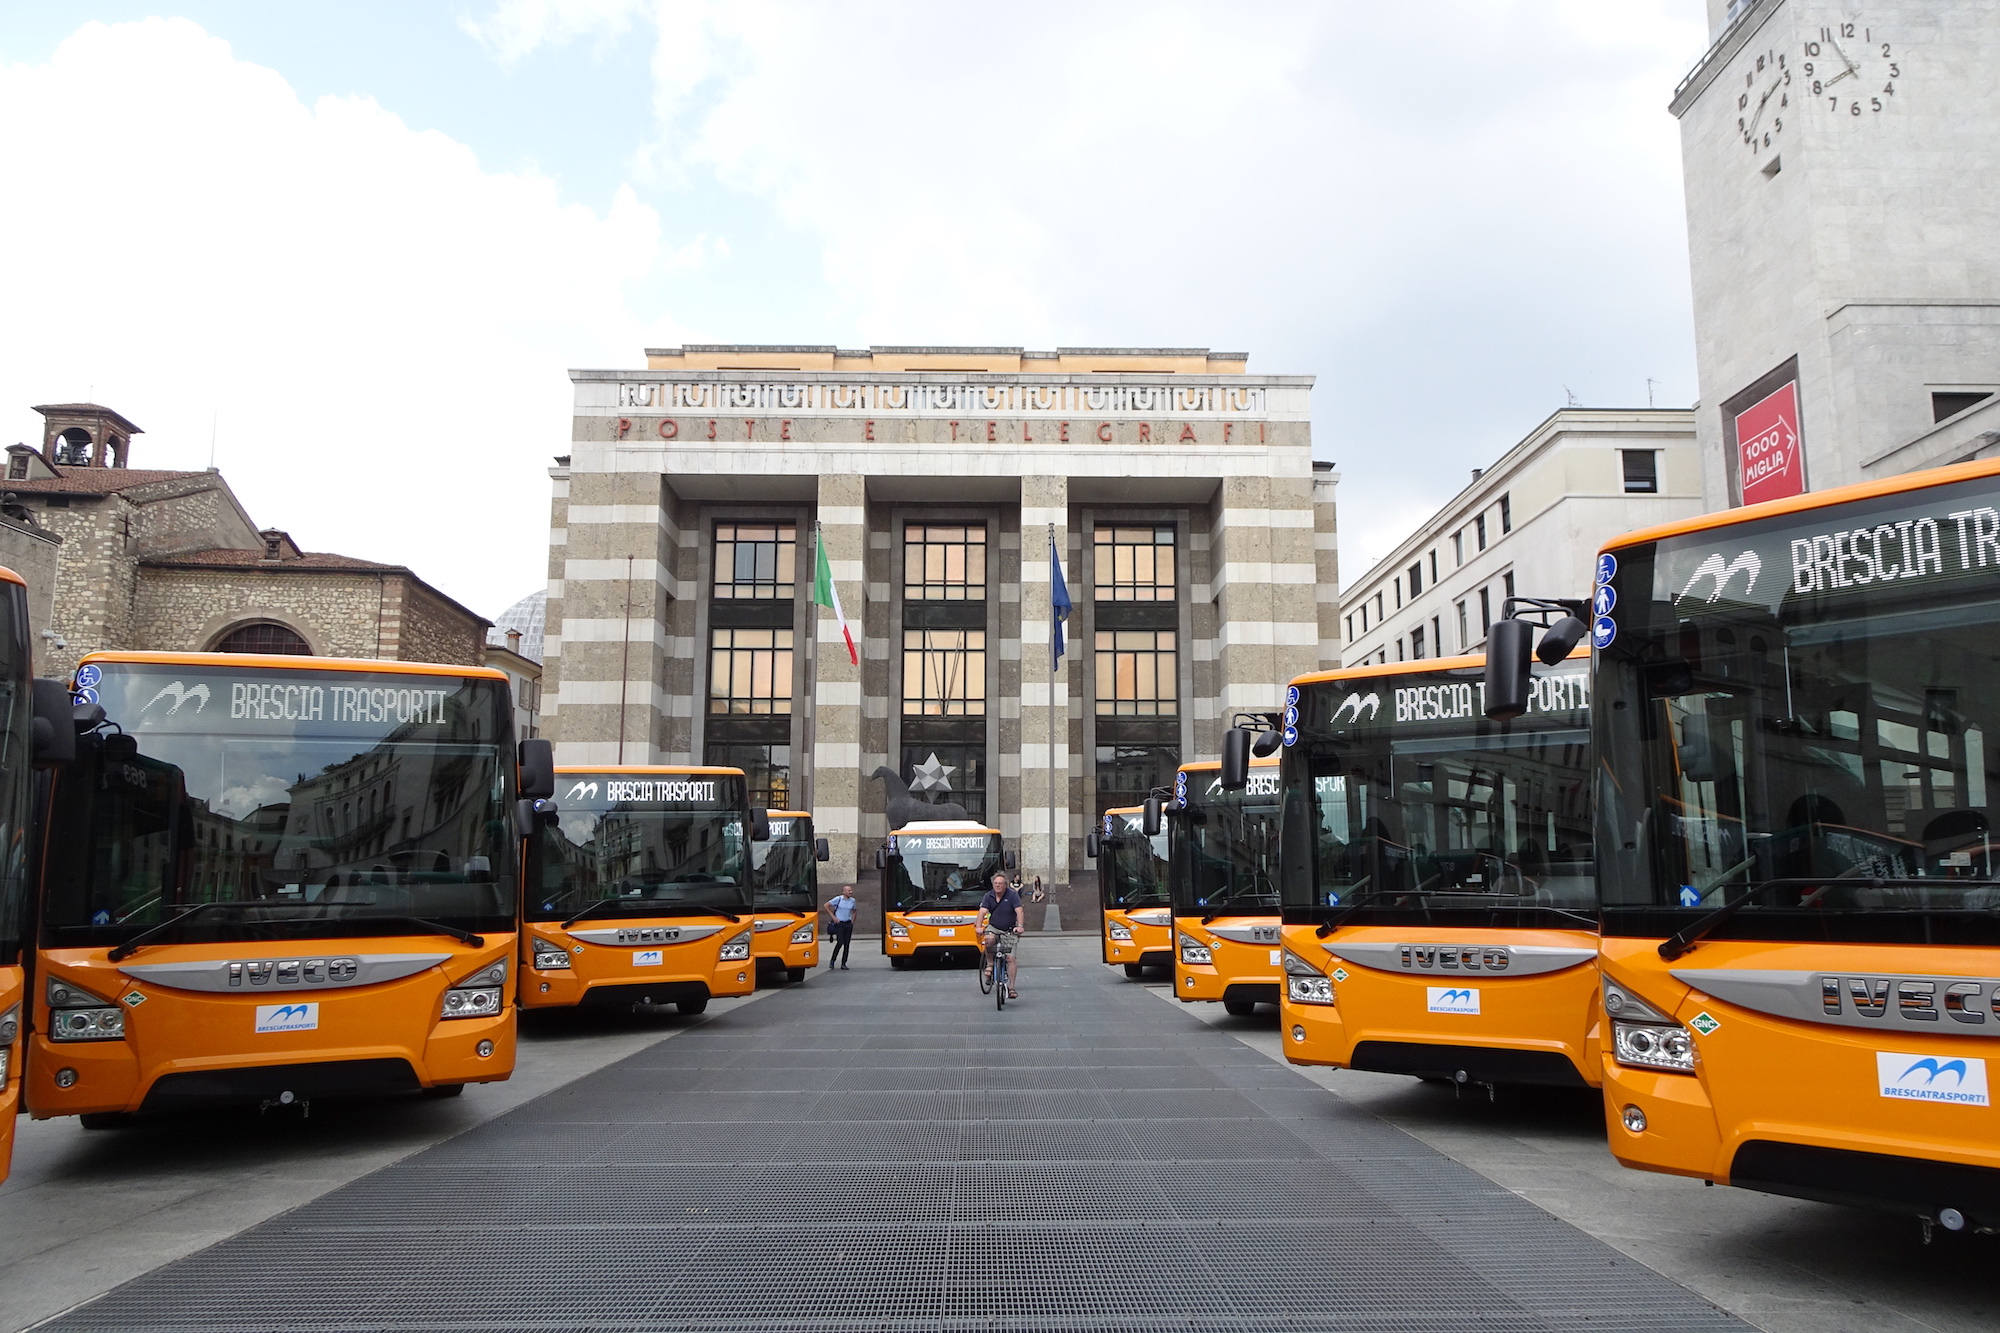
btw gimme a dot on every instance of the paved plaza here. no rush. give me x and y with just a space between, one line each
881 1149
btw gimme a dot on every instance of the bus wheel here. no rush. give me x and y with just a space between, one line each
445 1090
105 1119
1135 970
691 1007
898 963
796 974
1241 1008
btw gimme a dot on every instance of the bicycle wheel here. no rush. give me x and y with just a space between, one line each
1002 970
986 961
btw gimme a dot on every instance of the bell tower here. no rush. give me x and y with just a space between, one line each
85 435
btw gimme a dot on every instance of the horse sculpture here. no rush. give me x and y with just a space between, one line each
906 807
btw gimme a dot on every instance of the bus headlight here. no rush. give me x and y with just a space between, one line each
550 956
1194 951
1654 1046
737 949
1309 990
479 995
77 1015
897 930
1118 931
804 934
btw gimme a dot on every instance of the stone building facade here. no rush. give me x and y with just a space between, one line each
1531 523
1844 241
169 560
1196 537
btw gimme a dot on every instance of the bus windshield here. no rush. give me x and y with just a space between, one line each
788 876
1414 807
941 870
16 775
285 803
1134 866
1224 845
1795 715
657 844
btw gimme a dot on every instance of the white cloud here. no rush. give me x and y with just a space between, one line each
383 325
239 800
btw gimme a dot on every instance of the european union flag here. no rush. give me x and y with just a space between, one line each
1059 602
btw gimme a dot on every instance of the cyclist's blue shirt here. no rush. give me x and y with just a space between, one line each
1005 910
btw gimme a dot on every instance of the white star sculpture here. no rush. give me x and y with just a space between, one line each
931 775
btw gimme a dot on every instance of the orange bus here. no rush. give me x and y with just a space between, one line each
640 890
1439 902
35 730
934 872
1132 891
273 879
1222 879
1797 862
788 895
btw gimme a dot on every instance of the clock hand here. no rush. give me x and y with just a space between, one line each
1851 68
1838 77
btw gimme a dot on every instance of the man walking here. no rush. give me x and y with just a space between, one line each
842 927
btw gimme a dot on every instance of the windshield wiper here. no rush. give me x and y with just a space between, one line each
151 933
1361 899
1233 898
428 927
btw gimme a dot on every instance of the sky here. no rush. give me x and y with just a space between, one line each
350 252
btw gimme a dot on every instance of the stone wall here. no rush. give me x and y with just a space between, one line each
434 630
34 555
94 599
189 610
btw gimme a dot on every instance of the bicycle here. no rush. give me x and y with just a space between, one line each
995 968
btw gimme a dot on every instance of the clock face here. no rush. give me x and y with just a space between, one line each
1764 101
1850 70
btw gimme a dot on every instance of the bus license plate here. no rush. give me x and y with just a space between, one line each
947 930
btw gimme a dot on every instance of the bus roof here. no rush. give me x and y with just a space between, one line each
789 814
1865 490
922 826
1424 664
9 576
1211 765
648 768
1126 810
294 662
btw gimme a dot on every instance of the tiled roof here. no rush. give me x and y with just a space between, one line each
96 480
223 557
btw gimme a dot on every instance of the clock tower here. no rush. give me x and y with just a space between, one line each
1842 165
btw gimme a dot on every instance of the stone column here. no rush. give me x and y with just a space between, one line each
1326 556
1045 772
613 596
1265 569
835 688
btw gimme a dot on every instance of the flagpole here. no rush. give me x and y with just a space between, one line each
1054 663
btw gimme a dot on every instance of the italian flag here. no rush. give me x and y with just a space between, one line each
825 594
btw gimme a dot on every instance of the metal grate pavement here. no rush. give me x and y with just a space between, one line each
884 1151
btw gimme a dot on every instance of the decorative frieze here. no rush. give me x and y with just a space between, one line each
860 397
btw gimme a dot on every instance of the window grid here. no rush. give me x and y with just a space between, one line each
944 673
263 637
750 671
1134 564
944 562
755 560
1137 673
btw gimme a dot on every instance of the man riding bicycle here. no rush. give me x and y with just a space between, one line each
1000 931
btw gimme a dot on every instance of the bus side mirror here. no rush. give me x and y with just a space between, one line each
1090 846
760 825
530 815
823 850
1235 774
55 724
1561 640
1703 756
881 858
1266 743
1507 651
538 769
1149 817
1007 861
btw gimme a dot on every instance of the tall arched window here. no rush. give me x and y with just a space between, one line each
263 637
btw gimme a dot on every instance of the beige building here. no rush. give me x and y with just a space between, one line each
1530 524
169 560
1196 535
1844 240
